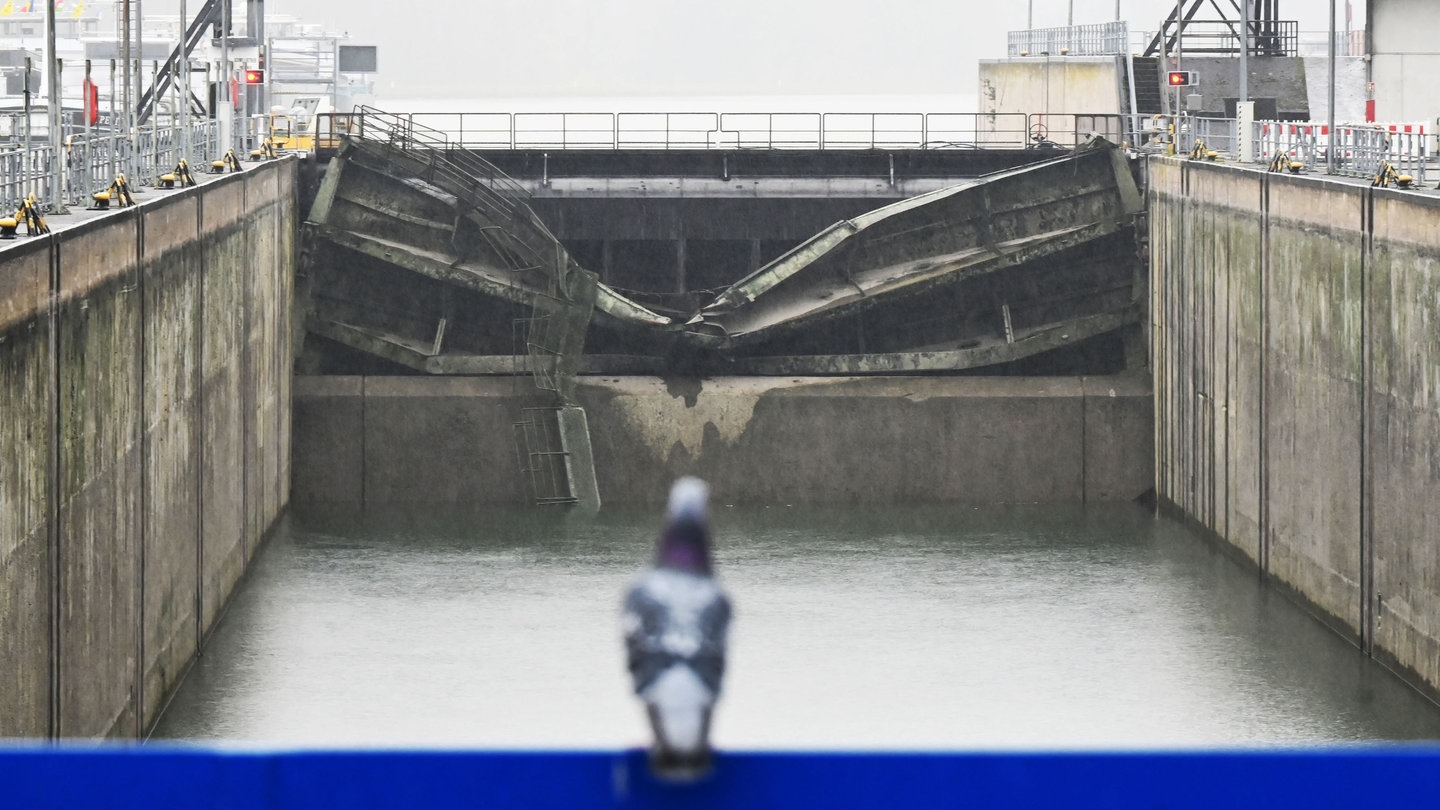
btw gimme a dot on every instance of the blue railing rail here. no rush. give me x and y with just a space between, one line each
151 776
823 131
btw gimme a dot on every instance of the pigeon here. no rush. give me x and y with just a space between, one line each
675 621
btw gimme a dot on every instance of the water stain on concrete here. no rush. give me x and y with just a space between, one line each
727 405
688 388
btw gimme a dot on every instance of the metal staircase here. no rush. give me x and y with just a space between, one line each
463 225
177 66
1148 100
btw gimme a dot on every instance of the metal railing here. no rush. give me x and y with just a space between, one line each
93 157
476 176
1218 134
1267 38
448 141
1360 150
722 130
1099 39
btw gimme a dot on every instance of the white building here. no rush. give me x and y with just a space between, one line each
1404 59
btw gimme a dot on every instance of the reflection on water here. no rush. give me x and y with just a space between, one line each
1034 626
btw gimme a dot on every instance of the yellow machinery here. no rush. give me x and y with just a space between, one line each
292 130
309 124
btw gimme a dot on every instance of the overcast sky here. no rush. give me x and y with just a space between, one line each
567 48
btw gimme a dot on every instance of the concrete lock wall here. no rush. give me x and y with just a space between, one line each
758 440
144 382
1297 407
1054 84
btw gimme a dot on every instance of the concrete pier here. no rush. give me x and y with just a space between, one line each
1297 407
145 365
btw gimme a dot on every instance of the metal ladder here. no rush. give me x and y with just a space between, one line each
544 459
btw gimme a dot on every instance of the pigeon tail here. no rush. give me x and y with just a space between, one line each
677 767
679 705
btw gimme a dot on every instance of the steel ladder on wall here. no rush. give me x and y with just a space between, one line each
545 461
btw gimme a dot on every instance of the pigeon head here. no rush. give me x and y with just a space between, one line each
685 542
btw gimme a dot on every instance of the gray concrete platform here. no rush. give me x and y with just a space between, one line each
145 195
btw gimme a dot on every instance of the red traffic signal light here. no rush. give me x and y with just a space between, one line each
1180 78
254 76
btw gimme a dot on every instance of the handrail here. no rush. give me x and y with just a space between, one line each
696 130
90 161
452 153
209 13
467 175
1094 39
473 175
1267 37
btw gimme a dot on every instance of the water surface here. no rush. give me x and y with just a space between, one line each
997 627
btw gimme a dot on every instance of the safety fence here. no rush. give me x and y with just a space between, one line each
740 130
489 186
1099 39
91 159
1381 152
1359 151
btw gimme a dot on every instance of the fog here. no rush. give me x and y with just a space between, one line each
571 48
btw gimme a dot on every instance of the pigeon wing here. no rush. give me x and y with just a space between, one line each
709 661
658 635
644 620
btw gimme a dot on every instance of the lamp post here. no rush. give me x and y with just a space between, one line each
126 108
1245 54
1179 48
1330 139
57 122
226 114
182 79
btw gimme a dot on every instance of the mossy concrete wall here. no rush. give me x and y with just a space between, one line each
1296 390
772 440
144 382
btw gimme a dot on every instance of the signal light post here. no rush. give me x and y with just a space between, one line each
1177 79
253 80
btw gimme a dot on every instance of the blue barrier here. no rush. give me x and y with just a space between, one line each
37 778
